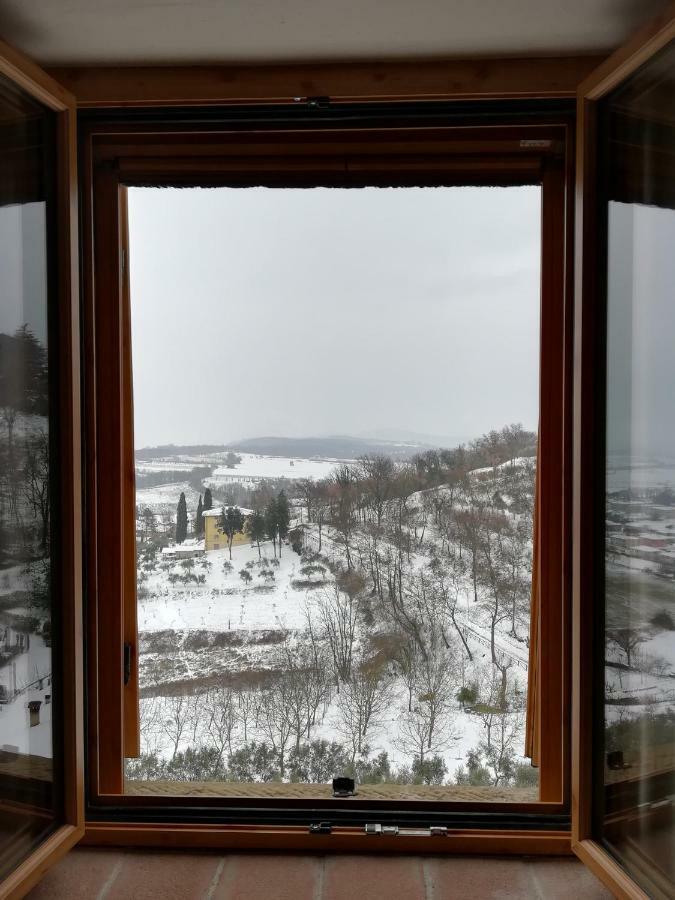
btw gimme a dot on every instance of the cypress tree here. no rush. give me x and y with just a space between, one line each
255 525
283 517
199 518
271 522
181 519
208 500
231 522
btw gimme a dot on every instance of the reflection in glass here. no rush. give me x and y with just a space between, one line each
27 802
639 734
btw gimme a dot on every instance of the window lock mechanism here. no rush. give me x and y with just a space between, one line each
393 830
127 664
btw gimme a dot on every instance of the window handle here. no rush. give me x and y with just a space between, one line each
127 664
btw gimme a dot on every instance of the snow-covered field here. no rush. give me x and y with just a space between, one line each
223 602
257 467
238 629
162 499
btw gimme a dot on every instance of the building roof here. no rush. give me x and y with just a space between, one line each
217 510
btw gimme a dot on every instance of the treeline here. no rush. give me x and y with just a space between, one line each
194 477
267 735
167 450
25 504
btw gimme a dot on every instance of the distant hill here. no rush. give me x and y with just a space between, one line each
335 447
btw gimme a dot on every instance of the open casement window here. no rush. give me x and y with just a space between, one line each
41 742
132 542
624 640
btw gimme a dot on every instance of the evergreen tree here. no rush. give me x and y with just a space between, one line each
256 528
208 499
283 516
181 519
199 518
231 522
271 526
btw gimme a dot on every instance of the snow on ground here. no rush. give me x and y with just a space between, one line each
253 466
25 671
13 579
162 499
224 602
252 617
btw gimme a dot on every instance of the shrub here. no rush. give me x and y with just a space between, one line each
373 771
526 775
475 773
467 695
254 762
200 764
429 771
663 620
317 762
147 767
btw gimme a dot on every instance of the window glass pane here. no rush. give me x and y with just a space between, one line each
29 805
333 505
639 721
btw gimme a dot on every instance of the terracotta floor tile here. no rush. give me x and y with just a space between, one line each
78 876
560 879
87 874
476 878
272 876
373 878
165 875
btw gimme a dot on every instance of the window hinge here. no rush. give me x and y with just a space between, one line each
127 664
320 828
431 831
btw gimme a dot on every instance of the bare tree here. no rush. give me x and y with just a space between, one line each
36 483
337 613
377 478
275 718
178 715
344 494
627 640
362 704
221 718
247 710
427 727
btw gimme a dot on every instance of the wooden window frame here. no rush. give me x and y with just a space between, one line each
589 461
312 146
68 737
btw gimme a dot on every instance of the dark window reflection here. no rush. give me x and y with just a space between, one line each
27 799
639 732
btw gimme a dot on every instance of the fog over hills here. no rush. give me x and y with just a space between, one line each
328 447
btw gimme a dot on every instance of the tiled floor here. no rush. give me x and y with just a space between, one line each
88 874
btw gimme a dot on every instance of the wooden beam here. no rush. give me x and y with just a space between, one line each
651 38
460 79
22 71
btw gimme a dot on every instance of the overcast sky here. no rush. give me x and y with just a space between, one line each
374 312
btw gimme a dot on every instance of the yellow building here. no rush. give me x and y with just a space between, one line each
214 537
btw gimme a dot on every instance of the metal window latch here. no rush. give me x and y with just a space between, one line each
127 664
320 828
317 102
431 831
344 787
